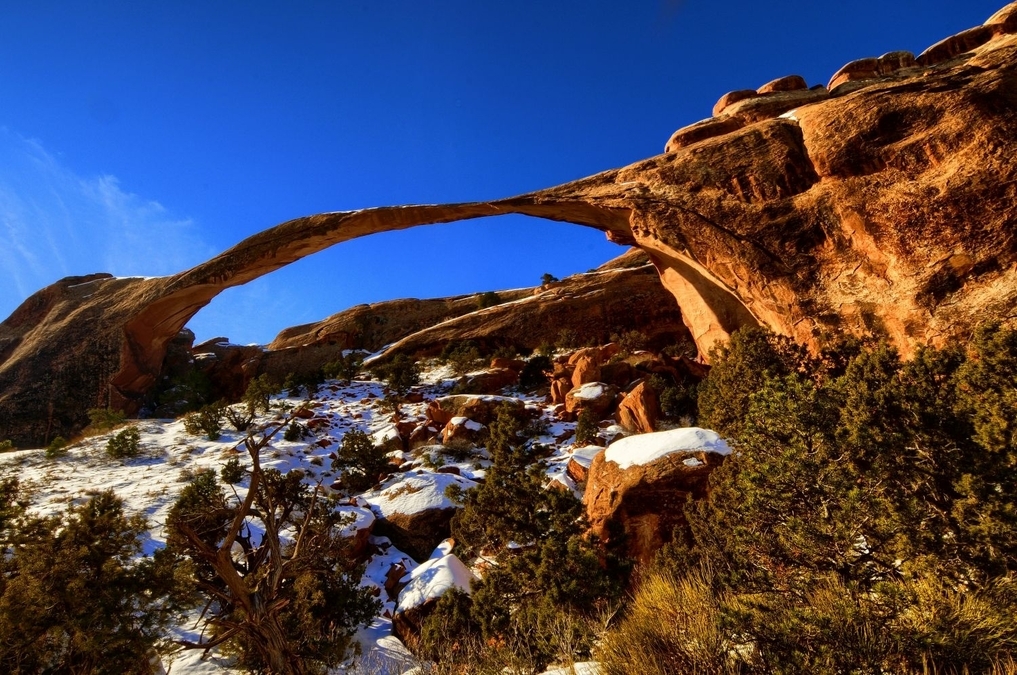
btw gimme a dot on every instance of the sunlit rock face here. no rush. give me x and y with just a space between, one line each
881 203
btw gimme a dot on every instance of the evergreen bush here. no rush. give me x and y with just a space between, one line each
124 444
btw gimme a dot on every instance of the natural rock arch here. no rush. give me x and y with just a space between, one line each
885 205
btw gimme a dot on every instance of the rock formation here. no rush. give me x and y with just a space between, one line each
882 204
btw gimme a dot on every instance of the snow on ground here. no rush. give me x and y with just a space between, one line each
170 457
646 448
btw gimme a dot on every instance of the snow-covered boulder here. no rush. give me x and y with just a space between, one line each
425 586
414 510
598 397
639 484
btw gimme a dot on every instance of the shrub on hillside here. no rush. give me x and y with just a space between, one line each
359 461
867 521
104 419
400 373
534 373
279 608
586 428
56 448
548 574
488 299
232 472
124 444
259 393
462 355
207 421
74 596
346 367
6 446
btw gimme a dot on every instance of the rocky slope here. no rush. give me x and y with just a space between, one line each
881 203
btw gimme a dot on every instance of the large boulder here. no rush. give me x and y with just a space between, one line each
637 488
414 510
640 409
482 409
425 585
597 397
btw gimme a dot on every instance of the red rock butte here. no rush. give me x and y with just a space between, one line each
882 203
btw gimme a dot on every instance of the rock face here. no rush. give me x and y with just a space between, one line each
636 489
884 205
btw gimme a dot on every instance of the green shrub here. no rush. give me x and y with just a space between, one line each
260 392
554 579
533 374
294 431
463 356
346 367
867 521
75 597
56 448
631 341
232 471
124 443
239 417
488 299
400 373
586 427
547 278
104 419
6 446
292 611
360 461
207 421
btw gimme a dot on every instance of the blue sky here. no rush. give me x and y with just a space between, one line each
141 138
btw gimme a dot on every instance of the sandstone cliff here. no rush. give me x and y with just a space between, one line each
882 202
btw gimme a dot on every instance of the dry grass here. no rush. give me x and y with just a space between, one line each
671 626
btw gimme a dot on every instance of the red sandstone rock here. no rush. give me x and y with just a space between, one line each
787 83
560 388
703 130
598 397
645 502
732 97
587 369
640 409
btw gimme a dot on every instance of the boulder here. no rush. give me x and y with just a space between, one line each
639 485
424 586
489 381
501 362
560 387
479 408
598 397
587 369
580 461
787 83
619 373
732 97
640 409
359 528
462 429
414 511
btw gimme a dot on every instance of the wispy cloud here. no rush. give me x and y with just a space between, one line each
55 223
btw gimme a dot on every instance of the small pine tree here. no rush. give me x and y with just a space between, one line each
124 444
260 392
359 461
586 427
56 448
547 279
401 374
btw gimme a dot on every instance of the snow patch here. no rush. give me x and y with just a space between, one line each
588 391
646 448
